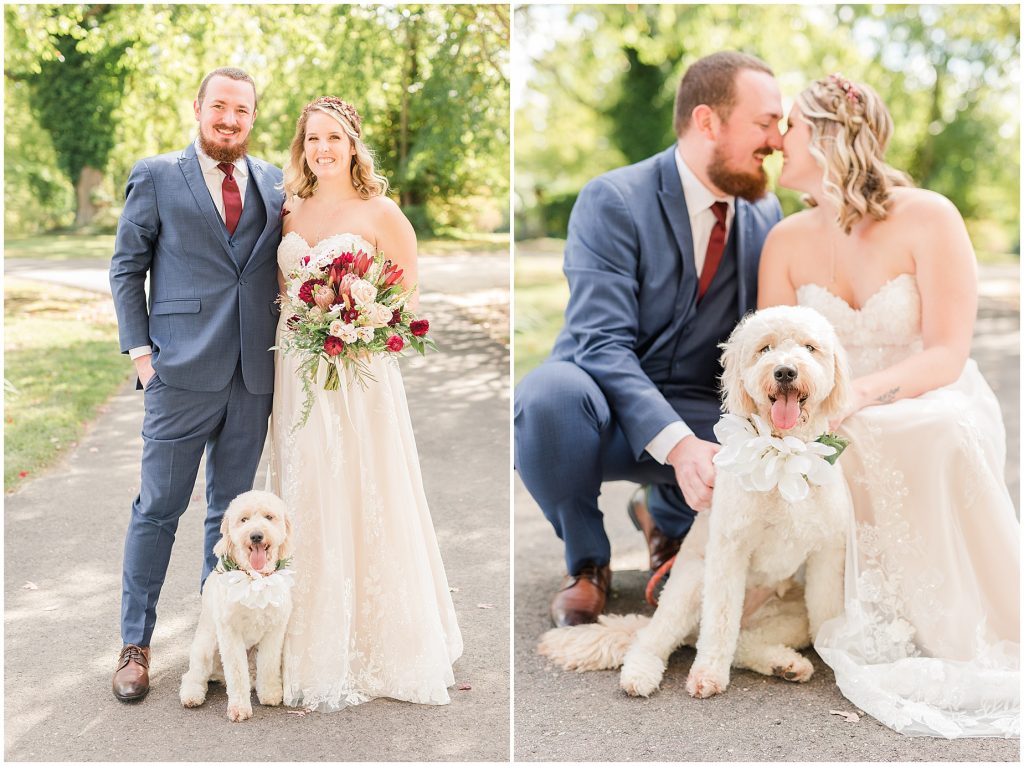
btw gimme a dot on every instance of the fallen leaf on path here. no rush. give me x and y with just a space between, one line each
453 589
30 586
850 717
94 449
464 687
22 474
300 713
485 606
51 608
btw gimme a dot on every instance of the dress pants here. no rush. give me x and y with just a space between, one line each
567 443
231 425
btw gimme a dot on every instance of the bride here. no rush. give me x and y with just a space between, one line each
929 643
373 616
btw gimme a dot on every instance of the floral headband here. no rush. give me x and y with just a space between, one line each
853 94
343 108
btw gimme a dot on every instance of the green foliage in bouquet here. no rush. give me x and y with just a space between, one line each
835 441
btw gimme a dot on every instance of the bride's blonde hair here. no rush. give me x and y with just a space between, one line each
850 130
299 180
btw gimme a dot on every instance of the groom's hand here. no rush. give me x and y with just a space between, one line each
144 367
695 473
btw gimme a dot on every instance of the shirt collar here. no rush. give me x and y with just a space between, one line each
698 197
208 164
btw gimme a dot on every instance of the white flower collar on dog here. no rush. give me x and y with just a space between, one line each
256 592
762 461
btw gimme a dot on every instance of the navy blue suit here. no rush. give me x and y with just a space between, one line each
210 319
637 351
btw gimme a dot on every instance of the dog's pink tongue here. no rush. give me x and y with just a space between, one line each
258 558
786 411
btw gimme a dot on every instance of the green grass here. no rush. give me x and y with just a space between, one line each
61 247
67 247
541 294
461 242
61 362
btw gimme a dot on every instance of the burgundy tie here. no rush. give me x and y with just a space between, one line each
716 245
232 199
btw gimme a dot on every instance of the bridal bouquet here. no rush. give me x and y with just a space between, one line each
345 308
762 461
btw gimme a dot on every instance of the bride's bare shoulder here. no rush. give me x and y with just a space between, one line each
796 228
388 218
919 206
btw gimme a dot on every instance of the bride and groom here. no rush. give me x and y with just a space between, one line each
372 616
665 256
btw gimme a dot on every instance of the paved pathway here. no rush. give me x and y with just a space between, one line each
64 535
563 716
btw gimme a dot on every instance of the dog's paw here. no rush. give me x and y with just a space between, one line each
271 695
192 694
641 674
799 670
705 682
239 712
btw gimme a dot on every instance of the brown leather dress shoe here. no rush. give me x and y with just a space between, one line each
131 679
660 546
581 597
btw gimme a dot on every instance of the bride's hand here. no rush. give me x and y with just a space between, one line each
858 401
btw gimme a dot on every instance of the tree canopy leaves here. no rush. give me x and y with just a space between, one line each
595 87
105 85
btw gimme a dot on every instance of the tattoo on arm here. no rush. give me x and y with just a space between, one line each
888 397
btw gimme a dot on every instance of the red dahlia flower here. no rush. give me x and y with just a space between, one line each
333 346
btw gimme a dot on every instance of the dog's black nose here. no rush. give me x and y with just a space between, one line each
256 537
784 374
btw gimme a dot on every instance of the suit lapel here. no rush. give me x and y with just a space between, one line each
190 168
271 203
673 205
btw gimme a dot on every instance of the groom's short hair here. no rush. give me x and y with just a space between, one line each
233 73
712 81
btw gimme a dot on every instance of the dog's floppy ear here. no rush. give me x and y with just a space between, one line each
734 395
223 545
286 545
839 397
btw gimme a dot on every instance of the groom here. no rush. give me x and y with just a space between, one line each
662 260
204 224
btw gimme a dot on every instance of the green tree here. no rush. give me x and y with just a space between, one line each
430 81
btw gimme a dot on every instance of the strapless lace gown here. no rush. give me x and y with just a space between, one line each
372 616
929 643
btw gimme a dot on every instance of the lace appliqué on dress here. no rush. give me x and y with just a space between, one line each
929 643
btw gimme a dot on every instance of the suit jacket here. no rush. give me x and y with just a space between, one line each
633 286
205 310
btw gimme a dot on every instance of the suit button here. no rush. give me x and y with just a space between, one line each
242 282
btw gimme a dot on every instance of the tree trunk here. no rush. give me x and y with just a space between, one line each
88 182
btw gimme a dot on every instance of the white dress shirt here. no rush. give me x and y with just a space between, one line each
214 178
699 200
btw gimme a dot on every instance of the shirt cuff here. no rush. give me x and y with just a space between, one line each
667 439
138 351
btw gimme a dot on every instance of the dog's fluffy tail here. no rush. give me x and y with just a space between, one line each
601 645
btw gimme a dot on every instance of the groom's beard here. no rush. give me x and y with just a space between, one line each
748 186
223 153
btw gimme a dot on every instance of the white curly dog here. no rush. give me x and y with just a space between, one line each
734 574
246 602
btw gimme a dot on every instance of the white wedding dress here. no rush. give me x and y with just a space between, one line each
929 643
372 616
